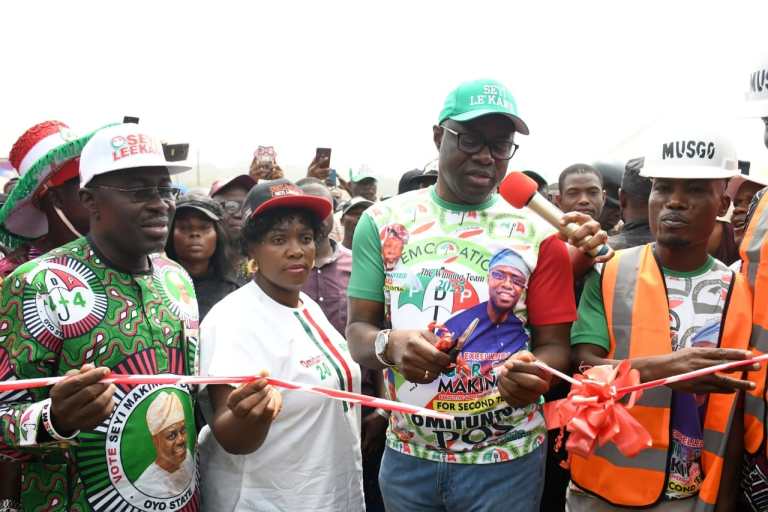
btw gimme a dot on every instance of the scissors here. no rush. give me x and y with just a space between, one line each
454 352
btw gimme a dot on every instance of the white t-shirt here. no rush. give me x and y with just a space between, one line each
310 460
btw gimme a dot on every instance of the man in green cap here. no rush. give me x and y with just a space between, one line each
363 183
437 244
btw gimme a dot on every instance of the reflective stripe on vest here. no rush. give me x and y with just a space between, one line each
637 314
755 267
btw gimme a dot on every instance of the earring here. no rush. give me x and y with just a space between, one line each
252 267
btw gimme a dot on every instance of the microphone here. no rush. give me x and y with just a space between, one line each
519 190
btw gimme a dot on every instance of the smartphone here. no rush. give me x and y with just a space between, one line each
321 153
265 154
332 180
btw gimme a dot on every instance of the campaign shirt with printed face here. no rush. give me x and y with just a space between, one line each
71 307
428 260
696 303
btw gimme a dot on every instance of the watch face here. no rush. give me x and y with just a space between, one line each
377 345
380 344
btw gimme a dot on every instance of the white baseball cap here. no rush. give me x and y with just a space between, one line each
757 174
690 154
123 146
756 94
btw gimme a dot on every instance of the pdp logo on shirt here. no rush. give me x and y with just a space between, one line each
63 299
177 289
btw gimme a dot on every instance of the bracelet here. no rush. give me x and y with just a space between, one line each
381 412
45 417
10 505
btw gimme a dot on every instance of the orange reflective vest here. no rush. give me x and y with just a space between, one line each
754 256
637 313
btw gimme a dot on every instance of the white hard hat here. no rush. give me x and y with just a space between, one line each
757 90
123 146
690 153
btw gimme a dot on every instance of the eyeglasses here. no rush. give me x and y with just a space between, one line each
498 275
231 207
145 194
473 143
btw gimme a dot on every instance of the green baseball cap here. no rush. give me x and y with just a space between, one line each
478 98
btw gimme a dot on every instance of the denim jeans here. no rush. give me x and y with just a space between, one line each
412 484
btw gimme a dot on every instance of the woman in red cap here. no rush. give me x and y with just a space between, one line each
301 453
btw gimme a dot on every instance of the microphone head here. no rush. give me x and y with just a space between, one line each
517 189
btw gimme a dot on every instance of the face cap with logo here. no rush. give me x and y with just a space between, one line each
690 154
478 98
45 155
123 146
283 193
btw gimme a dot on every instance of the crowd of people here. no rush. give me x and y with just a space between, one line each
443 296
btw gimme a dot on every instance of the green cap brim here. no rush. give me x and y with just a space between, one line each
520 125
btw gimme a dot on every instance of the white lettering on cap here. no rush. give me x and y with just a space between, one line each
688 149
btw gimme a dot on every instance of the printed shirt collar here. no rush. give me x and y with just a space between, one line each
106 262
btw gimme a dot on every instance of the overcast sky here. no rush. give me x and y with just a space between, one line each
369 79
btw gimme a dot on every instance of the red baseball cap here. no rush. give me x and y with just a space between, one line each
242 180
283 193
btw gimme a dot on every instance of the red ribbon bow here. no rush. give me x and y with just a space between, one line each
592 412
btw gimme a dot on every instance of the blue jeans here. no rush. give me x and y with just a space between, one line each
412 484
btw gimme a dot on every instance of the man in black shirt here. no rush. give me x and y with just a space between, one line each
633 201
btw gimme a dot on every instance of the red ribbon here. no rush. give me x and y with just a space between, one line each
592 413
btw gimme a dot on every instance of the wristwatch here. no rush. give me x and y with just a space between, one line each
380 345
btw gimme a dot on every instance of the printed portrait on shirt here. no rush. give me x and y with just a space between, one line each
150 448
498 325
394 238
172 469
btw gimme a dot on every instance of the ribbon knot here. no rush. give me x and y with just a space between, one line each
593 412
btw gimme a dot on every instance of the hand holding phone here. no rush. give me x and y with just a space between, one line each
320 166
264 160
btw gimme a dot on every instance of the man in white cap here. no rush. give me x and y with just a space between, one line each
105 302
173 467
669 307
